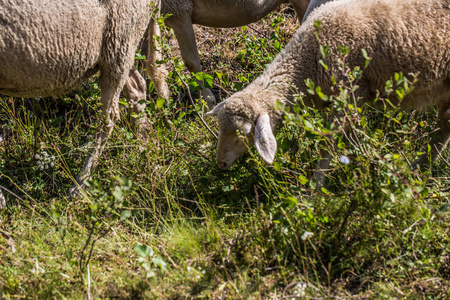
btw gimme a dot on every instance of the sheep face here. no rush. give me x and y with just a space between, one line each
237 133
231 145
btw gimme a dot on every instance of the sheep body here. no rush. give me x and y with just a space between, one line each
59 52
226 13
49 47
400 36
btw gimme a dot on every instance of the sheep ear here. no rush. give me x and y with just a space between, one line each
216 109
265 141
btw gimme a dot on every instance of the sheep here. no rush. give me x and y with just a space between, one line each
400 36
218 13
50 47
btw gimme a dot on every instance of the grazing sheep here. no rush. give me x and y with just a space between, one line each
216 13
49 47
409 36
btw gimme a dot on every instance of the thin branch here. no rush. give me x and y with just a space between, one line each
85 246
6 190
193 104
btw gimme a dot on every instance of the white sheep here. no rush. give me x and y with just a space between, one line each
49 47
217 13
409 36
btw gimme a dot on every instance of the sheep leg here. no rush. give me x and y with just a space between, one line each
184 33
2 200
300 7
326 155
110 109
323 165
155 70
440 143
135 91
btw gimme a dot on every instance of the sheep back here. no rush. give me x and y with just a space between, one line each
400 36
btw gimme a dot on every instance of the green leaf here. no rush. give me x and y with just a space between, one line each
364 53
325 191
319 93
139 56
160 102
291 201
125 214
308 125
160 263
56 122
277 166
144 250
118 194
324 50
227 188
123 101
146 266
323 64
303 179
208 81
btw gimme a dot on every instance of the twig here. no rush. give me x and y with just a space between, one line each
6 190
168 257
84 248
170 165
193 104
257 31
439 154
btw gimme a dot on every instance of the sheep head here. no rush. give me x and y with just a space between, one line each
240 126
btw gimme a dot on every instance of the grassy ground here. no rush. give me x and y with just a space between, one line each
161 221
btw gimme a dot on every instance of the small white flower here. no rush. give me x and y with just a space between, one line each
299 289
306 235
203 148
44 160
344 159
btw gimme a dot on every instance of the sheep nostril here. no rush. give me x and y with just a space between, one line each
223 165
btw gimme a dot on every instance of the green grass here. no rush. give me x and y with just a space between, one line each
162 221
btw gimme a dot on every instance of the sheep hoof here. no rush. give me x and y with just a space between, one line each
209 98
422 163
144 131
319 178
